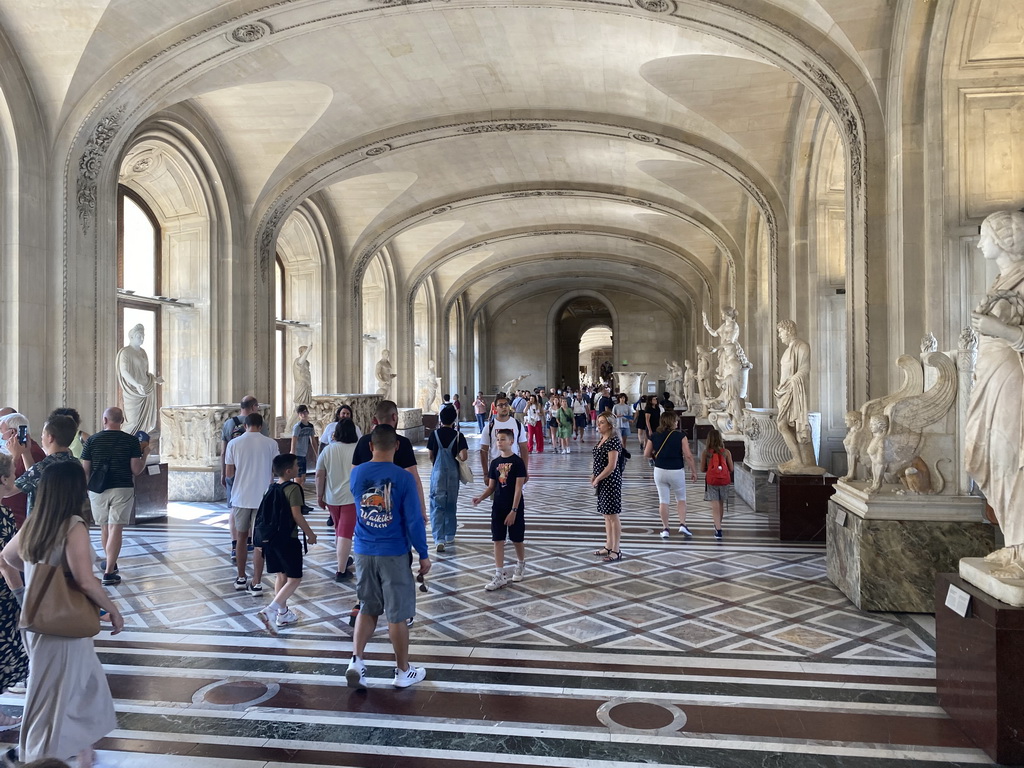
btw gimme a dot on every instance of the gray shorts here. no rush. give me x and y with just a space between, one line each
385 584
716 493
243 517
113 506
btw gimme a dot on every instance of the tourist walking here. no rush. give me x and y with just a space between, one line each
13 661
669 449
68 706
534 425
565 416
446 447
716 463
579 415
606 477
480 411
333 472
623 415
551 419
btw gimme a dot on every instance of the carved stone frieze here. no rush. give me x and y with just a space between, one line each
190 435
91 162
508 127
323 408
655 6
250 33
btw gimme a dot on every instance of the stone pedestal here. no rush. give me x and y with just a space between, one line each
701 429
765 446
190 443
978 572
800 508
323 408
737 448
753 487
410 424
430 423
150 494
687 425
979 666
884 551
633 383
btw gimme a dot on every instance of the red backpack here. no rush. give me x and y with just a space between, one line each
718 470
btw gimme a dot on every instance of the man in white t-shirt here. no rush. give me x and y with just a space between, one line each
489 437
249 461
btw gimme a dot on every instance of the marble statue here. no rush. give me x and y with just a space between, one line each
513 384
431 385
689 386
852 443
703 378
791 398
730 383
728 334
674 383
138 385
385 378
994 427
303 378
929 343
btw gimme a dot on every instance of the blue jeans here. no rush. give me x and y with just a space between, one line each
442 515
480 422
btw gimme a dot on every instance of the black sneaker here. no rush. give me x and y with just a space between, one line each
103 567
341 577
111 579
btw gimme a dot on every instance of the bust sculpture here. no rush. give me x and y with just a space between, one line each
138 385
385 378
994 437
791 400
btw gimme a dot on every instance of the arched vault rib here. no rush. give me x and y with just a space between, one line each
425 270
718 234
556 281
492 267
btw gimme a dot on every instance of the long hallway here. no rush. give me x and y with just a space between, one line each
689 652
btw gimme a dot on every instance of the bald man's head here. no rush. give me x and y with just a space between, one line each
114 417
7 411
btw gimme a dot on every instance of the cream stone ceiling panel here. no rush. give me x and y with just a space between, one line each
719 195
409 247
753 102
398 69
50 36
261 122
998 31
357 202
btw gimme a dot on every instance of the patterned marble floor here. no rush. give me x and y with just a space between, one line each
692 652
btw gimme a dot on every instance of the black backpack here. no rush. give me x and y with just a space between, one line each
274 522
238 429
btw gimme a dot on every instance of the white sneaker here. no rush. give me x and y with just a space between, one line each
685 531
517 572
355 675
499 581
411 676
664 533
286 618
264 616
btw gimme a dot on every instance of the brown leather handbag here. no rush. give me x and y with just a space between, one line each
54 605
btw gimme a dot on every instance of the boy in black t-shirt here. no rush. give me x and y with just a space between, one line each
505 481
285 558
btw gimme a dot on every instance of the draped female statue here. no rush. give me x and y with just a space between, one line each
138 385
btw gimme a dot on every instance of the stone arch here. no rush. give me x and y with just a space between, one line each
559 305
166 167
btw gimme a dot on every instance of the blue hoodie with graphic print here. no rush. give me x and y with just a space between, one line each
388 518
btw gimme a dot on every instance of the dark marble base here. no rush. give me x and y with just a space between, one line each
738 449
890 565
979 666
150 494
687 425
430 422
701 430
753 487
799 507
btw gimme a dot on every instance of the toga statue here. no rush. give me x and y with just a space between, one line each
513 384
385 378
138 385
994 427
791 399
303 377
431 390
689 386
674 383
704 378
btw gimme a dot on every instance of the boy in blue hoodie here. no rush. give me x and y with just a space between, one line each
388 525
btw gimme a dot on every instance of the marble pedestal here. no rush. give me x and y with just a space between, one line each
195 485
687 425
701 429
979 665
753 487
800 508
410 424
150 494
737 448
883 551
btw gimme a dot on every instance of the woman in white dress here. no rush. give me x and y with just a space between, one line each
68 706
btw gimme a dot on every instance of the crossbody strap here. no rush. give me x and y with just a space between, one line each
665 441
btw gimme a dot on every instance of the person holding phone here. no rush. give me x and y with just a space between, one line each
15 425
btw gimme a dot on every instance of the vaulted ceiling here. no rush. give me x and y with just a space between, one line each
487 144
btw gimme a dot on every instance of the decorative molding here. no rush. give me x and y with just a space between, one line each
849 122
251 32
656 6
507 127
92 161
439 211
644 138
379 150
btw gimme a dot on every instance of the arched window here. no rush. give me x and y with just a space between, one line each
280 338
138 273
